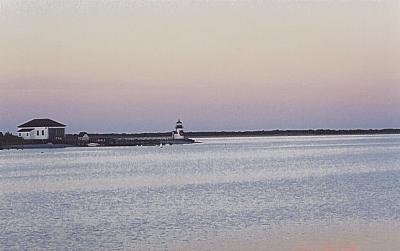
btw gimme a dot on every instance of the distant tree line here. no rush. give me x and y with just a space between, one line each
310 132
8 139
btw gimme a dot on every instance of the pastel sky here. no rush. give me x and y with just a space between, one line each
135 66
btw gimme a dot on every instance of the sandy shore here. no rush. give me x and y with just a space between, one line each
378 236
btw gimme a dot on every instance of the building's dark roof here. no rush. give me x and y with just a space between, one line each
25 130
42 123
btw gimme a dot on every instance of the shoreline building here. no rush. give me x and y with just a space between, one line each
42 129
178 133
83 138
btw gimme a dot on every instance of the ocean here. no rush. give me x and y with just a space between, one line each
264 193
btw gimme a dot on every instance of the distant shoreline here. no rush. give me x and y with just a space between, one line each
259 133
163 138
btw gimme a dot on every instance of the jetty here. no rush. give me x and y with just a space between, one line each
146 139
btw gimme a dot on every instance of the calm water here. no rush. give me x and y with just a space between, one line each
160 198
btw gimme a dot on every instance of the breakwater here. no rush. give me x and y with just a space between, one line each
123 140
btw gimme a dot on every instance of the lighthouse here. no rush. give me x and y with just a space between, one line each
178 133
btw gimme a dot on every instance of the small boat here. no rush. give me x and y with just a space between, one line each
93 144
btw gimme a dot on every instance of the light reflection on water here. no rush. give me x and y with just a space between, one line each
151 197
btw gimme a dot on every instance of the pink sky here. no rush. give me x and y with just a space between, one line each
135 66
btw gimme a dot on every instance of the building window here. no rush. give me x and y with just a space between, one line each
37 132
42 132
27 134
19 134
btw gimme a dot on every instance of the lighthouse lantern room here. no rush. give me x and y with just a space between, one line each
178 133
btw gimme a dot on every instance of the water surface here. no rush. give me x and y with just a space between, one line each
163 198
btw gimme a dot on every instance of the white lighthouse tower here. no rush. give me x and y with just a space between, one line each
178 133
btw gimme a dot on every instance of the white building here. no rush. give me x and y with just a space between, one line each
83 137
42 129
178 133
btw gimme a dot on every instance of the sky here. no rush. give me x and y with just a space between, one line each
138 66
